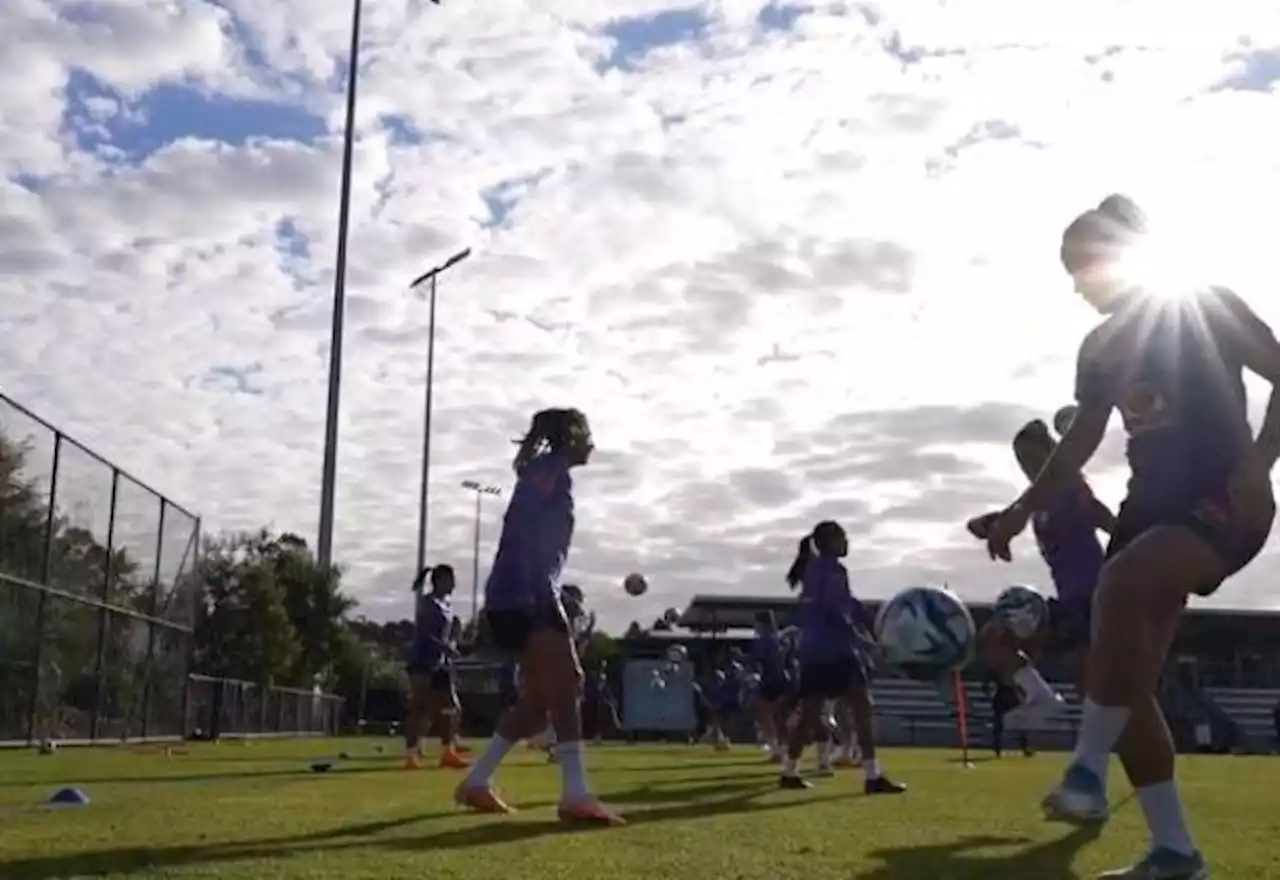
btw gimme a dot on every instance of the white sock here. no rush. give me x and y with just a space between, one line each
1100 730
1032 684
789 766
573 770
1163 809
482 770
871 768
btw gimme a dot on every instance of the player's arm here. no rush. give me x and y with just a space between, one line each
1094 402
1256 346
1099 514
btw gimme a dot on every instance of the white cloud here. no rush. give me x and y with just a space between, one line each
789 273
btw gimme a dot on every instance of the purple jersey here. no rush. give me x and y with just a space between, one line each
536 532
1066 531
431 649
832 621
767 655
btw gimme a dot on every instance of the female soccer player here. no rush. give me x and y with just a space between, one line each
432 695
526 617
1199 506
834 630
770 664
1066 530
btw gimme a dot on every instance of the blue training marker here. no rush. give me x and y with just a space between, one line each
69 797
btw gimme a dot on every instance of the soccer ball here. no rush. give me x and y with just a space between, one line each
1022 610
635 584
677 654
1063 418
926 633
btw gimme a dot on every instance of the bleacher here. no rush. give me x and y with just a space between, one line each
1253 709
917 714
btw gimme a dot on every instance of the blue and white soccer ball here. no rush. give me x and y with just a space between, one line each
926 633
1021 610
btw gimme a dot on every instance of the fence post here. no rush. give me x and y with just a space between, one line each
153 611
105 596
46 571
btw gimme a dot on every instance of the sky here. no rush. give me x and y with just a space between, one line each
796 261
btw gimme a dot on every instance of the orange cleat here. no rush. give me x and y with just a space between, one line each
481 799
451 760
413 762
589 811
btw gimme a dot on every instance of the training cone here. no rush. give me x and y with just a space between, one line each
71 797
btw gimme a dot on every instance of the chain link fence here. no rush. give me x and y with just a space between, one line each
219 708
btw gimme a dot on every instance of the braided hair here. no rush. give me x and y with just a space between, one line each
550 430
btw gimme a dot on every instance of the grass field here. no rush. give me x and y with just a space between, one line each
257 811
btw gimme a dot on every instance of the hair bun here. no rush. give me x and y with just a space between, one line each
1123 210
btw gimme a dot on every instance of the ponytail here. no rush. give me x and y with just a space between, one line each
420 581
795 574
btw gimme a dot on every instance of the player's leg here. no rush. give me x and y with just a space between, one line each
1139 600
416 711
1012 660
858 695
814 686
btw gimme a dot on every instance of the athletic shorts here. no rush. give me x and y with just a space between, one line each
1070 625
1211 519
511 628
831 680
771 691
441 681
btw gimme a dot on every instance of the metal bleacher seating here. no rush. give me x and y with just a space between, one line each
916 714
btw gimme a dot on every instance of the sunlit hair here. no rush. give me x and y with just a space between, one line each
551 430
821 541
1103 235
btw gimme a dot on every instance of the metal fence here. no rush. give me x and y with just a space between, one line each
97 593
223 708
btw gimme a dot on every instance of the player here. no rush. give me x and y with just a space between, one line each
1199 507
769 659
1066 529
526 617
433 698
834 629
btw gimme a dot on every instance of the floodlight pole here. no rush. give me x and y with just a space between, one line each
429 277
480 490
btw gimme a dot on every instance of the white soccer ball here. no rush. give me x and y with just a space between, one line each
1021 610
926 633
1063 418
48 747
635 584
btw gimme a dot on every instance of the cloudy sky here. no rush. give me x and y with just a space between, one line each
795 260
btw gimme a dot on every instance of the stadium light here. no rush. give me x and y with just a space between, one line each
481 490
429 278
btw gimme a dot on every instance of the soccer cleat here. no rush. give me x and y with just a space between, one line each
481 799
451 760
1079 799
589 811
412 762
1163 864
824 771
788 781
883 785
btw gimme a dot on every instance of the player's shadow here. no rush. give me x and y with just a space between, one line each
959 860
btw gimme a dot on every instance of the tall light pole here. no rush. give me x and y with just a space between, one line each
329 473
329 476
429 277
481 490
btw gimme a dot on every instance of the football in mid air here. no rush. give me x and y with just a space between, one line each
635 584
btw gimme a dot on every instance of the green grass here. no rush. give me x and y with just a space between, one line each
257 812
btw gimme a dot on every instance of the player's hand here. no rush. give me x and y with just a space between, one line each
1003 528
979 525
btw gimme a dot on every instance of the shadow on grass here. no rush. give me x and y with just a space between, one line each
365 836
958 861
339 769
